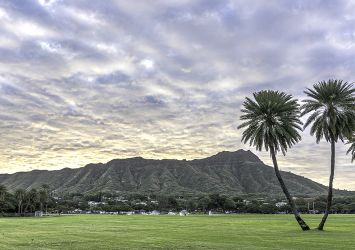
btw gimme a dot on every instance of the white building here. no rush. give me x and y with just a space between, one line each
183 213
280 204
155 212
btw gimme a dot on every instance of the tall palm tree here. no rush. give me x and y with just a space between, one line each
272 121
331 105
20 195
44 196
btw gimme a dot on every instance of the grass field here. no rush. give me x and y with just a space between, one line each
175 232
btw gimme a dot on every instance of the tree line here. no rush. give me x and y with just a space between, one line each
22 202
272 122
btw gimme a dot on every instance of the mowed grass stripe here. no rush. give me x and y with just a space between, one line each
175 232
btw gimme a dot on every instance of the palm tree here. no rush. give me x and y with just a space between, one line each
20 195
332 107
272 121
44 196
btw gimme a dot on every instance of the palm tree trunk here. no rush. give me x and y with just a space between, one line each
291 202
26 207
330 188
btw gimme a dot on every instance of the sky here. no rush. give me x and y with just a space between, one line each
89 81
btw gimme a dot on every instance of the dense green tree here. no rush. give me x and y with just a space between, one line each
253 207
203 203
31 199
331 105
268 208
351 207
272 121
3 192
3 196
228 204
123 207
216 201
166 202
191 205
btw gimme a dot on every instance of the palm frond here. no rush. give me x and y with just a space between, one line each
351 142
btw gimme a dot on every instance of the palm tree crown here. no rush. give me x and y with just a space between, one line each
332 104
272 120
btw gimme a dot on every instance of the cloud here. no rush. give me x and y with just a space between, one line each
84 82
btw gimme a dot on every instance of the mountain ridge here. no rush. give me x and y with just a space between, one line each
225 172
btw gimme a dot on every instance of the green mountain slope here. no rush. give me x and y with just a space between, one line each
225 172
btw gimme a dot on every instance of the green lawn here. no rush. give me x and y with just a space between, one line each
175 232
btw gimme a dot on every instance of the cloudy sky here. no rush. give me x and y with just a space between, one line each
89 81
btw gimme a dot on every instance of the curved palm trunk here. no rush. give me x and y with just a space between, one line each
291 202
330 188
